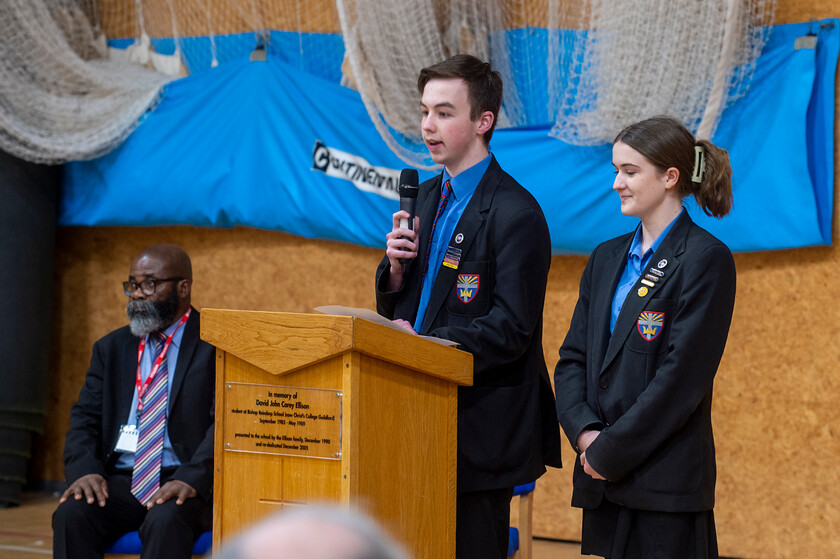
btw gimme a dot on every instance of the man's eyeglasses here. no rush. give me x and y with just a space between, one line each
147 286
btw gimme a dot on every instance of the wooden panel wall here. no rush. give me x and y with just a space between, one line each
119 18
775 416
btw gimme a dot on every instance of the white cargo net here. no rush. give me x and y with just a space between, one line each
609 62
61 97
388 43
636 58
639 58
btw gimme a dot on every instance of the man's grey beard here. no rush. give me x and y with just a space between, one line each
146 317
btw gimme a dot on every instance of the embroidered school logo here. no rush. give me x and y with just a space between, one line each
650 324
467 287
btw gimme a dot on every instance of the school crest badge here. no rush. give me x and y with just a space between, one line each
650 323
467 286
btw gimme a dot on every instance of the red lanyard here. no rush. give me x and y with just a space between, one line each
143 386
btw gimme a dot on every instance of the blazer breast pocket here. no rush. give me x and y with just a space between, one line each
470 296
652 328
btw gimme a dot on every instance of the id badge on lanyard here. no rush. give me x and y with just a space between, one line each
127 441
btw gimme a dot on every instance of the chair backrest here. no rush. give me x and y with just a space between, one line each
129 544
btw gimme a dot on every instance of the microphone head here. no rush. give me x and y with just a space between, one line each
408 183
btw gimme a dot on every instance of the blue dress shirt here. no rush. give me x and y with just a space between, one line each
636 262
463 187
126 460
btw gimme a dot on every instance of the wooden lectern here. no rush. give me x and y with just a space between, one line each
315 408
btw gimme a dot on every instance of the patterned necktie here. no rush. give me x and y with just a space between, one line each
444 198
145 479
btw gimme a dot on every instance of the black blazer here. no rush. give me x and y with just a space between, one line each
649 387
507 430
105 399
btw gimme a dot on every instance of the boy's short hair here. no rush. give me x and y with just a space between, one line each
484 85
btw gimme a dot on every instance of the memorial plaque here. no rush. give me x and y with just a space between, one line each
289 420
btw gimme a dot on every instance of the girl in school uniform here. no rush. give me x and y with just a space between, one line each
634 379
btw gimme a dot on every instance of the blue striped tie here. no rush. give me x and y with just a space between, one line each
145 479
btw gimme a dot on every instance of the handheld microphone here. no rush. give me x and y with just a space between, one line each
408 196
408 201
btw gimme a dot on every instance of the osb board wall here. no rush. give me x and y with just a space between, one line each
196 17
775 415
792 11
119 18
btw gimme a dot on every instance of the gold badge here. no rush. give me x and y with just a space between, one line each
642 291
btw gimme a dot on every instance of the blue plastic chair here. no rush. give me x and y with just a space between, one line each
129 544
526 506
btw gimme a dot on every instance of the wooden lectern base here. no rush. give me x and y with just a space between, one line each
318 408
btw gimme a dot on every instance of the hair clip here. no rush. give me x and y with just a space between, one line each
699 163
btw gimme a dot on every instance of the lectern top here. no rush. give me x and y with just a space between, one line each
280 342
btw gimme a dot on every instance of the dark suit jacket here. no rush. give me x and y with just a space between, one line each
105 399
649 387
507 431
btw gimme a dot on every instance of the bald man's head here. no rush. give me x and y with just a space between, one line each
176 261
314 532
159 288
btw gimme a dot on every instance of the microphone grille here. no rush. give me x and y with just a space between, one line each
408 177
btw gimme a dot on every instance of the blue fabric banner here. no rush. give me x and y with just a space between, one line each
268 145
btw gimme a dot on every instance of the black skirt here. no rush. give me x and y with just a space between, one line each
618 532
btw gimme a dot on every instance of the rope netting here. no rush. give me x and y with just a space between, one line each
61 97
640 58
588 66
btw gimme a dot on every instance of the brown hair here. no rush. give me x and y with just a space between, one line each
484 85
666 143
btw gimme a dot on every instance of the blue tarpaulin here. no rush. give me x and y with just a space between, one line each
268 145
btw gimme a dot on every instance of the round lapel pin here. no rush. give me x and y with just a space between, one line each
459 238
662 263
642 291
